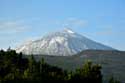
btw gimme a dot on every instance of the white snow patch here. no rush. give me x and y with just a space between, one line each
52 41
60 39
43 43
20 49
68 30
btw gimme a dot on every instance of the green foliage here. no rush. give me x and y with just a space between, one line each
112 80
13 67
9 76
88 73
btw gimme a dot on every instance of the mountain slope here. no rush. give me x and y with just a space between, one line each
61 43
112 62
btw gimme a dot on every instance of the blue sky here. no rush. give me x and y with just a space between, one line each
99 20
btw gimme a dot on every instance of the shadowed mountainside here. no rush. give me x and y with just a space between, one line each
112 61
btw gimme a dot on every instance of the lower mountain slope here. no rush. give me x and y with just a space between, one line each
112 62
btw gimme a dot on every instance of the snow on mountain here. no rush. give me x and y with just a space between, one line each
61 43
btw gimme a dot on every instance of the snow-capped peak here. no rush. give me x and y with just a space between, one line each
68 30
62 43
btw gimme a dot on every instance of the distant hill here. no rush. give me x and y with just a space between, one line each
112 62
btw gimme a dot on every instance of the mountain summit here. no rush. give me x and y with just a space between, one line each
61 43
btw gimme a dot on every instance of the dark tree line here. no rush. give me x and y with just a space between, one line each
13 67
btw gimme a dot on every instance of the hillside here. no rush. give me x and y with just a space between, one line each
112 62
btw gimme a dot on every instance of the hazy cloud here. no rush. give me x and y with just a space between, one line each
74 22
105 30
9 27
110 31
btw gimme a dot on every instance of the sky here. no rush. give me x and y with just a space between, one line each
24 20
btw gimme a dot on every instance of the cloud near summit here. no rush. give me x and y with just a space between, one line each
11 27
74 22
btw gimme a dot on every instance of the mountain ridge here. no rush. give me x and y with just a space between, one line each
61 43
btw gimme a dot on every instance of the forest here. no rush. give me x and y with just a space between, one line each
14 67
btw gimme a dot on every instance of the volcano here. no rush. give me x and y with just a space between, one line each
61 43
